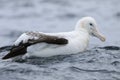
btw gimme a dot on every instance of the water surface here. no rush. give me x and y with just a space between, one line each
17 16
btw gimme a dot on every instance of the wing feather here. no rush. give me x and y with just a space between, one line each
30 38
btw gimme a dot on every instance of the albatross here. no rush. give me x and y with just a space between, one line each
41 44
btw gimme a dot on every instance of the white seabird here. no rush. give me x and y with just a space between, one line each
49 44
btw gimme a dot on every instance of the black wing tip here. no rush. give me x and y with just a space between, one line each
9 55
16 51
5 57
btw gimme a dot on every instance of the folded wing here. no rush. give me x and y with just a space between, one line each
30 38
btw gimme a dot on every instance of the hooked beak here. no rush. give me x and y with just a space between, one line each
97 34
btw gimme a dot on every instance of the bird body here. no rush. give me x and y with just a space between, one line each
41 44
76 43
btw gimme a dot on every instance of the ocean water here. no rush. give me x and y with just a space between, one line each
18 16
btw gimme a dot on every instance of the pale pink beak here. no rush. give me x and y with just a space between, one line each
97 34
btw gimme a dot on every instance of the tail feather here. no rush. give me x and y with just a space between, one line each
5 48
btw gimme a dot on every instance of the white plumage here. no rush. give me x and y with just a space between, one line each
78 40
75 44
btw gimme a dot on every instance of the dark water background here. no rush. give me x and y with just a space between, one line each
17 16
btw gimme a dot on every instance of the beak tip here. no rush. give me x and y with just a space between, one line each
99 35
103 39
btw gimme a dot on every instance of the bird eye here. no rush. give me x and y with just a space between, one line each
91 24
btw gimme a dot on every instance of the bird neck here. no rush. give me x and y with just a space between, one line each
82 32
83 37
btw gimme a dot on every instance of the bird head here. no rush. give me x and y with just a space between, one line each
89 24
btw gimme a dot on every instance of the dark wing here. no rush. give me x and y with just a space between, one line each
21 48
